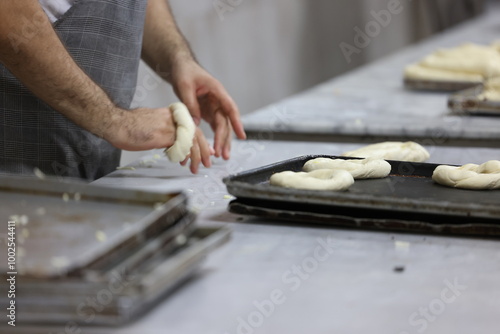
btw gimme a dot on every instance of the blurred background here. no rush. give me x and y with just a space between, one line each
265 50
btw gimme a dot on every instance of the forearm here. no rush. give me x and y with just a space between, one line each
163 44
44 66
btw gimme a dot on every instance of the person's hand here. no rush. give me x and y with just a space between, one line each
206 98
140 129
200 152
214 115
145 129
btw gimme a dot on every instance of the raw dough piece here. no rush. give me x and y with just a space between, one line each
470 176
491 91
468 62
321 179
369 168
419 72
184 133
403 151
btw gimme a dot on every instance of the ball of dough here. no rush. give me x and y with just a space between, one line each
184 133
392 150
369 168
470 176
321 179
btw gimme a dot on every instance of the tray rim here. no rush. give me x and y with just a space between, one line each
238 206
438 85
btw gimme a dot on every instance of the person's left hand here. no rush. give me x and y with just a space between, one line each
206 98
200 152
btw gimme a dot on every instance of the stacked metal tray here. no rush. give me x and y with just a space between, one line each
467 102
407 200
93 255
438 85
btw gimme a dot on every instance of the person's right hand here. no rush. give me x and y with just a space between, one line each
141 129
145 129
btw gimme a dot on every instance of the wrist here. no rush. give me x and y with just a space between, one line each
173 65
113 127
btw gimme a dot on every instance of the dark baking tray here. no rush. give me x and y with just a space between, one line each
440 86
407 194
364 218
466 102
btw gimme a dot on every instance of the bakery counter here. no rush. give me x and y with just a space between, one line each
275 277
370 104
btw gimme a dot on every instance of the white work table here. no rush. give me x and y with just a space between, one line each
354 287
370 104
325 280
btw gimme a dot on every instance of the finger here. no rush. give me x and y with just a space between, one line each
195 157
204 149
226 152
187 94
220 133
230 109
185 161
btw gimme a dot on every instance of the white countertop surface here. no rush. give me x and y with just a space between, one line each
370 103
323 279
351 286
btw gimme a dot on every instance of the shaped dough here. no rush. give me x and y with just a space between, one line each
408 151
491 91
184 133
470 176
419 72
369 168
468 62
321 179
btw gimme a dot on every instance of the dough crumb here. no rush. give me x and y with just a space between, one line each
39 174
125 168
23 220
59 261
41 211
100 236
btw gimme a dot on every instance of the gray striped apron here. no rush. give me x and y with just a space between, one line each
104 37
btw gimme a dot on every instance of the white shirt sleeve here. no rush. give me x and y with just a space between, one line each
56 8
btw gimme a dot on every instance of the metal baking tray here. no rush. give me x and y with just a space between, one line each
362 218
142 288
466 102
441 86
407 194
72 225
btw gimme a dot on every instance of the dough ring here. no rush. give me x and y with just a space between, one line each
369 168
184 133
470 176
321 179
392 150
